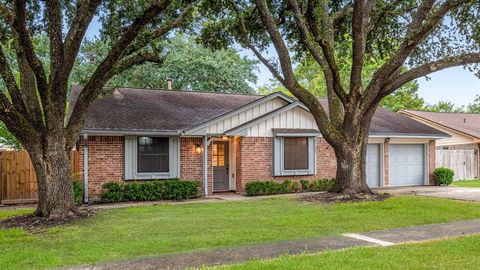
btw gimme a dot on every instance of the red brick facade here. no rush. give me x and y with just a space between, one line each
253 161
105 162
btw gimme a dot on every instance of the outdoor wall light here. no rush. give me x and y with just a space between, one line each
198 148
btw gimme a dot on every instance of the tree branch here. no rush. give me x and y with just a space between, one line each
358 46
134 60
246 41
19 24
335 108
325 40
290 81
398 81
81 21
428 24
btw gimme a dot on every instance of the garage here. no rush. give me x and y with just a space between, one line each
373 165
406 164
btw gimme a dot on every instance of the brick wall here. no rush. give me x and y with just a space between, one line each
254 161
105 162
191 162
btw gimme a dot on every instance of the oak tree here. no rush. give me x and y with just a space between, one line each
33 100
410 38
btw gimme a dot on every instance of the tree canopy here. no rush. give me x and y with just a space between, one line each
190 65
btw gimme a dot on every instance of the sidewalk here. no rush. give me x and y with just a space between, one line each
272 250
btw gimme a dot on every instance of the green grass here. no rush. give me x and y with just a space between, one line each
11 213
154 230
459 253
467 183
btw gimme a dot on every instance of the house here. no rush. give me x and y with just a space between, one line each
227 140
461 149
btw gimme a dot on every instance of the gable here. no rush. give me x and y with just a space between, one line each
221 125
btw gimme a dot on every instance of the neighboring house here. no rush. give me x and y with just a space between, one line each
140 134
461 149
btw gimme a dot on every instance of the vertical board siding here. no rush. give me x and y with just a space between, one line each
18 182
463 162
242 117
293 118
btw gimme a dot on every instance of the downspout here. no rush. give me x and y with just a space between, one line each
85 168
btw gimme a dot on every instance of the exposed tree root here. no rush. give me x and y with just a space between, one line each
32 222
331 197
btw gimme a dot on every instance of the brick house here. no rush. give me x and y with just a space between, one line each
461 150
226 140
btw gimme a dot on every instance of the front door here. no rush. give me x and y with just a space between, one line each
220 166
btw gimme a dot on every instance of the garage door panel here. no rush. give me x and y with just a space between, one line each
407 164
373 165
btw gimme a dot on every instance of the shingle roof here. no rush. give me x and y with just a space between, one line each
131 109
158 110
468 123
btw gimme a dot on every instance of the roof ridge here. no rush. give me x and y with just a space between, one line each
460 113
177 90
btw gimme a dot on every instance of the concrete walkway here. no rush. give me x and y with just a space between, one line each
272 250
450 192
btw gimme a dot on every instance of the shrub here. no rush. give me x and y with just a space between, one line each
443 176
259 188
173 189
317 185
113 193
77 191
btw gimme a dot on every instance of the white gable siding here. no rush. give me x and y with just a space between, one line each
223 125
293 118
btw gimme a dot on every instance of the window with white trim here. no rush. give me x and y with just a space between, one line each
152 154
152 157
294 155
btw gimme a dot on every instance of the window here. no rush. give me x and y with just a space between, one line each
152 154
295 153
218 154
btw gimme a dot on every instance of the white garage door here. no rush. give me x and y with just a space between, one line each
406 164
373 165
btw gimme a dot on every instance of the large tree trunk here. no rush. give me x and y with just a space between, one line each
351 169
55 190
351 154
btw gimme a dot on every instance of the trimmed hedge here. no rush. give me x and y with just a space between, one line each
173 189
318 185
443 176
260 188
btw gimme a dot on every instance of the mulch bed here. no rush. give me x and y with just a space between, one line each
31 222
330 197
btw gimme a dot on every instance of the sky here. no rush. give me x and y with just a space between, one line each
457 85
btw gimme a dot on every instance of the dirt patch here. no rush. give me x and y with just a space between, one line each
330 197
31 222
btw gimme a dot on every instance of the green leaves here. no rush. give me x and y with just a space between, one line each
189 64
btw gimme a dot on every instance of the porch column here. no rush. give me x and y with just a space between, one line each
205 166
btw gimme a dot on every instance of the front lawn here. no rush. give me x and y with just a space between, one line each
154 230
459 253
467 183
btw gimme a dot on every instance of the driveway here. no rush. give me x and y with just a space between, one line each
458 193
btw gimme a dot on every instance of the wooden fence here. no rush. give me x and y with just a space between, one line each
464 162
18 182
